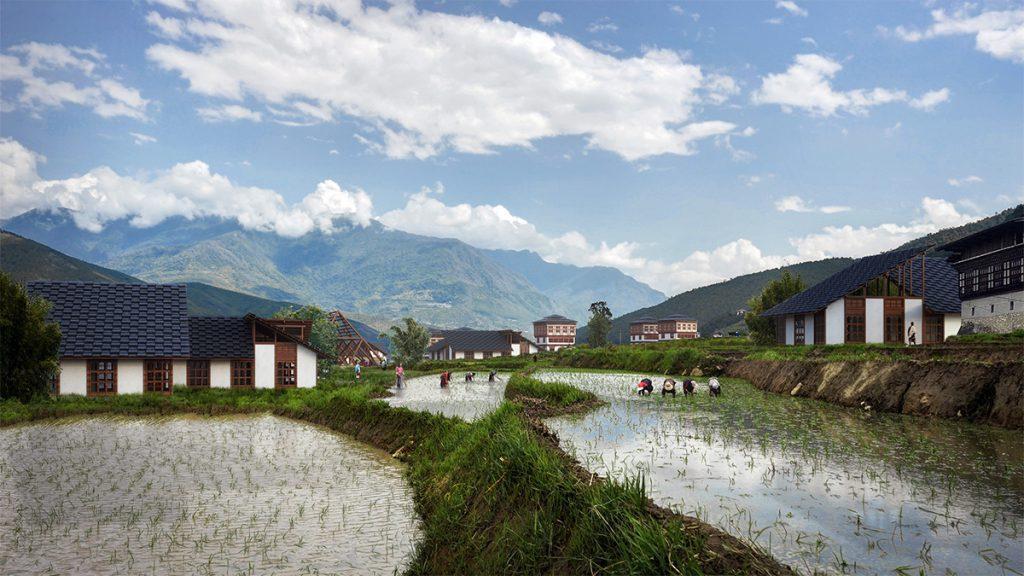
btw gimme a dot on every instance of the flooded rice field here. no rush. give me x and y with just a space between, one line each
192 495
823 488
466 400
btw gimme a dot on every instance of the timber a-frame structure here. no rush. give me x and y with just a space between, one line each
352 347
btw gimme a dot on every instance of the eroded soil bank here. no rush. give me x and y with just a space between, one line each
983 393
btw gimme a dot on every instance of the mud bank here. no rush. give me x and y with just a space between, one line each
986 394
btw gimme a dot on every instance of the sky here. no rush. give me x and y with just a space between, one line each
683 143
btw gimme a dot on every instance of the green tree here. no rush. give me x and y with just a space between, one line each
762 330
28 343
324 334
409 343
600 324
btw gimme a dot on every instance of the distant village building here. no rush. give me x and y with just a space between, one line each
554 332
677 327
470 344
874 300
990 276
133 338
643 330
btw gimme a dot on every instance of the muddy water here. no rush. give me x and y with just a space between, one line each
466 400
823 488
188 495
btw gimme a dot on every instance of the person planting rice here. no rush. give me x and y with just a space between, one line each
469 376
645 387
688 387
714 387
358 370
668 387
445 377
492 376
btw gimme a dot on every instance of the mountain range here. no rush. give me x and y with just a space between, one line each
372 270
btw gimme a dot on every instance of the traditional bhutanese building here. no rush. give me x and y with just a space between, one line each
875 299
470 344
990 276
642 330
133 338
554 332
677 327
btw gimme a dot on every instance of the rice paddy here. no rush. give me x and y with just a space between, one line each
199 495
823 488
466 400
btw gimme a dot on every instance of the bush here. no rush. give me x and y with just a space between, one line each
28 343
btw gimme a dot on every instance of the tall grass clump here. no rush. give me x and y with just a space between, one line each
554 393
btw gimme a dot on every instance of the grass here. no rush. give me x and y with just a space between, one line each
552 393
494 496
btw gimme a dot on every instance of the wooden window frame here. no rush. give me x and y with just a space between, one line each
855 321
197 373
286 366
819 327
157 375
799 330
934 329
53 383
243 373
894 309
101 370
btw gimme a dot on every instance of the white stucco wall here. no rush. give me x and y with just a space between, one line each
874 320
72 377
460 356
129 376
478 355
951 323
264 366
220 373
179 372
305 360
789 330
913 311
808 328
983 307
835 322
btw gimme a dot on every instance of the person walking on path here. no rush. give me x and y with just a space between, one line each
912 335
399 376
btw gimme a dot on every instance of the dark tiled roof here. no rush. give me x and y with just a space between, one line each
220 337
119 320
1014 223
473 341
644 320
264 324
554 319
679 317
941 283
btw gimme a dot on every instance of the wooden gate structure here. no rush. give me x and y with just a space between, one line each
352 347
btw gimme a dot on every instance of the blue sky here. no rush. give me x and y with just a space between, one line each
682 142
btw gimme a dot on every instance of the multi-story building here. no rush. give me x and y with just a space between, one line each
469 344
643 330
554 332
677 327
990 276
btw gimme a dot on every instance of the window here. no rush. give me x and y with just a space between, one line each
960 281
241 374
1011 305
934 329
158 376
1007 275
992 308
53 381
991 277
854 330
101 377
285 374
893 323
198 374
972 310
819 327
487 354
799 332
974 280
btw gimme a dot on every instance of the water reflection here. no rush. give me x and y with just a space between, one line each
466 400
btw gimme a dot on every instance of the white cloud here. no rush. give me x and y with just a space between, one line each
893 130
52 75
798 204
606 46
171 28
754 179
929 100
791 7
965 181
807 85
141 139
809 41
229 113
998 33
549 18
190 190
334 152
602 25
426 82
677 9
773 21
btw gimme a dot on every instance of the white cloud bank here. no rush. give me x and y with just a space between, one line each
807 85
965 181
426 82
999 33
190 190
549 18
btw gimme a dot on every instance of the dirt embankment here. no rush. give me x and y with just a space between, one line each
987 394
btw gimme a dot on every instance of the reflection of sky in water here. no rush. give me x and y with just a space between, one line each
785 501
467 400
188 495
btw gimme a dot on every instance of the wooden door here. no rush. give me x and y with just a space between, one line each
893 312
285 373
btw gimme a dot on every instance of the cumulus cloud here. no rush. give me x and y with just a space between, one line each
965 181
41 76
140 138
807 85
549 18
999 33
424 82
798 204
791 7
191 190
229 113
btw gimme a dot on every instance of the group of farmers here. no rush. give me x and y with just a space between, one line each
645 387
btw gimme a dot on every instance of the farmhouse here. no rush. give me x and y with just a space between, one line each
643 329
990 276
874 300
131 338
466 343
677 327
554 332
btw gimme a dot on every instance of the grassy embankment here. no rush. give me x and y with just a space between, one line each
494 496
